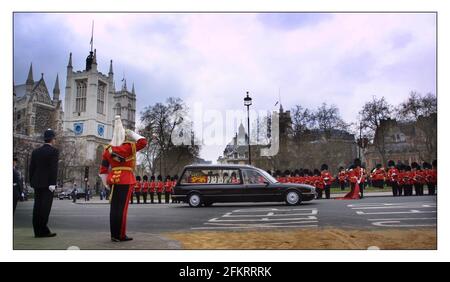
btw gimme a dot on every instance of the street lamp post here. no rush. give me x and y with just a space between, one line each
248 103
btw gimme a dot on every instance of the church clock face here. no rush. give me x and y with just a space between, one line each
78 128
101 130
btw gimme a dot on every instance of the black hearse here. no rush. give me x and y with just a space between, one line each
207 184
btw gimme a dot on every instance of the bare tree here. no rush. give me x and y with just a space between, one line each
302 120
417 105
327 118
159 123
372 115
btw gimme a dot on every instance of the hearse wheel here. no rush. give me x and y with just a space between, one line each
293 198
195 200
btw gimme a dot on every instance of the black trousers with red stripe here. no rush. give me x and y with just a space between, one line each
119 208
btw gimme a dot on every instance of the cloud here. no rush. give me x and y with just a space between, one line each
342 59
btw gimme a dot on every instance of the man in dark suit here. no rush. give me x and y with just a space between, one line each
43 172
17 185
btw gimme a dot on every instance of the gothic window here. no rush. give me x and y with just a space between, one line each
80 103
101 98
118 109
130 112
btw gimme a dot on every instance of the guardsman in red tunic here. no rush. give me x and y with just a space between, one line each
159 188
407 180
137 190
327 179
418 178
342 178
378 176
392 177
431 176
152 189
356 176
174 183
318 183
167 189
434 174
144 190
117 173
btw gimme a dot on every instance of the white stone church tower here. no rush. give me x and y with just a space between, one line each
90 105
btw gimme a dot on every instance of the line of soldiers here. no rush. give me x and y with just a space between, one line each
402 178
154 186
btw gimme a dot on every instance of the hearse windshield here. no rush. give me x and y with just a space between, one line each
269 177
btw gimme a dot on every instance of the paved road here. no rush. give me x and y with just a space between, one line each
86 220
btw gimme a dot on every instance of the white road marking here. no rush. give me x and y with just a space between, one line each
249 227
388 224
388 209
264 218
260 219
406 212
393 207
404 218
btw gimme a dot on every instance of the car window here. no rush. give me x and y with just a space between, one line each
253 177
211 176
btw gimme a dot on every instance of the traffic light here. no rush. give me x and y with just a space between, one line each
86 172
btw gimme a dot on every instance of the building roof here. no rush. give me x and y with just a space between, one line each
21 89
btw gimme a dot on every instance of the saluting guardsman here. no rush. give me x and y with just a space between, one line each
117 174
392 178
152 189
159 188
43 172
137 190
144 189
167 189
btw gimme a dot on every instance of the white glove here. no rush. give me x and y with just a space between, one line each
133 135
103 177
52 188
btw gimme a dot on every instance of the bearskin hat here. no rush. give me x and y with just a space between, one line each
159 177
145 177
138 178
391 163
152 178
357 162
324 167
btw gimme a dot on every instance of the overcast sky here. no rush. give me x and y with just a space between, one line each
341 59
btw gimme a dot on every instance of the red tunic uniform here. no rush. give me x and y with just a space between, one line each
137 187
342 177
121 159
327 177
378 175
356 174
160 186
152 187
168 186
145 185
393 175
